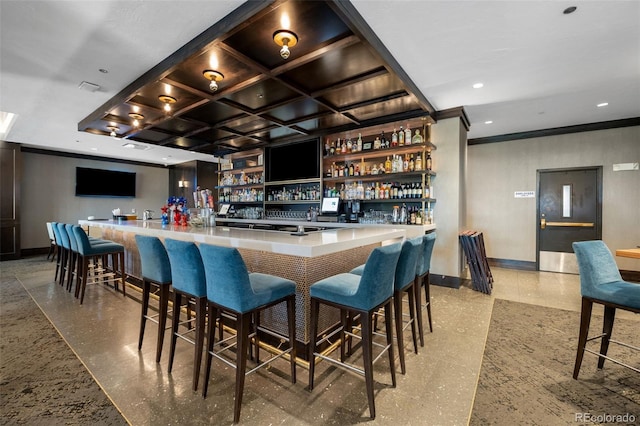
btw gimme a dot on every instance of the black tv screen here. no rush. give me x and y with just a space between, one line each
104 183
294 161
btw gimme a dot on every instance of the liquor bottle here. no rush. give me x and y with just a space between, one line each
376 143
383 140
417 137
412 164
401 137
332 149
351 170
405 163
419 217
376 195
343 147
418 166
394 138
349 145
407 135
327 147
387 165
429 161
359 143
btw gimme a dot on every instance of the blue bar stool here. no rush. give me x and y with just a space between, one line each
53 247
65 253
600 282
58 237
156 271
404 283
231 288
89 252
362 295
188 280
422 278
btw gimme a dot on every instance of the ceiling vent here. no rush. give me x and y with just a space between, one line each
89 87
131 145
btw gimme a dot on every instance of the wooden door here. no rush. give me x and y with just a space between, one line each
569 209
10 172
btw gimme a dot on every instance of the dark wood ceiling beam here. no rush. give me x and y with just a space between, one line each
351 81
385 98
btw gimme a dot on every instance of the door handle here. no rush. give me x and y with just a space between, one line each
543 222
570 224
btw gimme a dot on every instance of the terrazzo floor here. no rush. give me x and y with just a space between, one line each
438 388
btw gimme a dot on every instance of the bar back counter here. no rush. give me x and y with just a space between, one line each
305 259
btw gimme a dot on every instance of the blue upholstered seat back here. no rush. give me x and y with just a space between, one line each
154 259
424 261
376 284
82 241
406 267
187 270
597 266
72 238
228 282
64 237
56 233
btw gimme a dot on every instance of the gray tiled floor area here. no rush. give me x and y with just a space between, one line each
438 388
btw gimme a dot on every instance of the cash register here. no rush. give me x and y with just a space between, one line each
329 209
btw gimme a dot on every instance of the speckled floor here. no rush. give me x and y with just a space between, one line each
438 389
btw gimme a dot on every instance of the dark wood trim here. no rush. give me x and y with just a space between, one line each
603 125
360 27
448 281
630 275
521 265
454 112
88 157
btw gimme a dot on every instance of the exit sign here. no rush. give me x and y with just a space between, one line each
524 194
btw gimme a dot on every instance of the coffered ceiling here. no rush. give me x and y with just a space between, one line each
338 76
355 62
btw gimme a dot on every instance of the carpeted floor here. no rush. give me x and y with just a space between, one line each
526 375
42 382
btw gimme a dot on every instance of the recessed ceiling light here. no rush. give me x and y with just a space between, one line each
103 71
94 149
488 122
569 10
128 145
164 158
478 85
602 104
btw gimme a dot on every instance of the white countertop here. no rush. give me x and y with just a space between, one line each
311 245
411 230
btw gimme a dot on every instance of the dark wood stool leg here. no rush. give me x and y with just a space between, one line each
315 309
146 289
162 318
213 314
244 323
427 296
177 300
585 319
412 316
397 307
201 314
389 329
367 359
607 329
417 297
291 318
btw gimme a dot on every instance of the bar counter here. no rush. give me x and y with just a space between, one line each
303 259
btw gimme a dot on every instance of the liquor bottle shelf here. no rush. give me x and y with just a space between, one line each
284 202
394 200
246 186
377 153
378 177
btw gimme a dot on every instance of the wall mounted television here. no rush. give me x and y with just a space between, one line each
104 183
293 161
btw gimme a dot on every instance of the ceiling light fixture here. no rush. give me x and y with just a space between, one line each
286 39
214 77
136 118
478 85
488 122
167 101
603 104
569 10
113 129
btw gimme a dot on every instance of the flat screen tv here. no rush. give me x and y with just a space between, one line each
294 161
104 183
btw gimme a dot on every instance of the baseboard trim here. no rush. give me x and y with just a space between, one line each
33 252
521 265
447 281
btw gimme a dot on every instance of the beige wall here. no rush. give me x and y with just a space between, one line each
450 138
496 170
48 194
